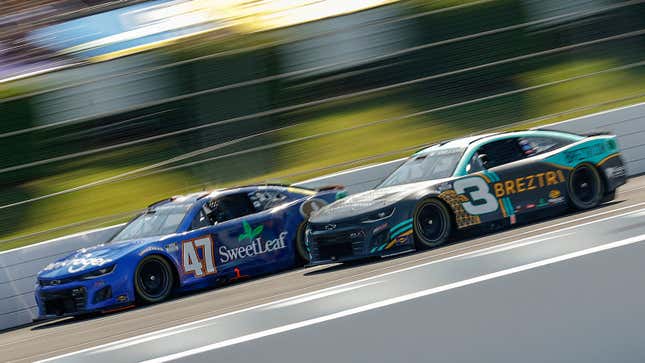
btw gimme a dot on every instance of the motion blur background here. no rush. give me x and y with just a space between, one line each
107 106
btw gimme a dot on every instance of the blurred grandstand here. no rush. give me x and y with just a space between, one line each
18 56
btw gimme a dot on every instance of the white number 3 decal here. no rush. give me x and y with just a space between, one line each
191 261
480 199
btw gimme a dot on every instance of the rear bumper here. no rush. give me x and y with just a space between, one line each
614 172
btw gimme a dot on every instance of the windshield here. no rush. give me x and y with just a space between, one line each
436 164
160 221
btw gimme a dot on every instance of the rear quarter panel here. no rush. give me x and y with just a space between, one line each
528 185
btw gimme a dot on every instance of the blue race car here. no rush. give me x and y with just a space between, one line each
184 243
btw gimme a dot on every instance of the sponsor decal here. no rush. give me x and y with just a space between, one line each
172 247
527 183
558 200
542 203
258 246
79 264
380 228
513 219
583 153
330 227
150 249
530 206
238 275
456 201
312 205
555 197
122 298
249 232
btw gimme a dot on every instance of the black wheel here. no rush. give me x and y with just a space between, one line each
432 224
301 248
608 197
585 187
153 279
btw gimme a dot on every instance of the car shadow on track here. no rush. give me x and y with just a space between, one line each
63 321
461 238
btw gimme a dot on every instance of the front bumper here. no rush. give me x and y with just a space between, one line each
341 242
81 297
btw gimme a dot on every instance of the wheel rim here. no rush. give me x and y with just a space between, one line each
153 279
584 185
431 223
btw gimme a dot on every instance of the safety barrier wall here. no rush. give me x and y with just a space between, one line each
628 123
20 266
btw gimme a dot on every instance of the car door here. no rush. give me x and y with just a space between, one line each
520 182
248 239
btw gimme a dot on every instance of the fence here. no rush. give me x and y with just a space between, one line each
20 266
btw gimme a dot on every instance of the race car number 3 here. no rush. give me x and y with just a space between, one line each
191 261
480 199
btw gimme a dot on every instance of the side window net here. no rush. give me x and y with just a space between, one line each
502 152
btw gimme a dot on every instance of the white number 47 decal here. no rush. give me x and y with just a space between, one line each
190 258
480 199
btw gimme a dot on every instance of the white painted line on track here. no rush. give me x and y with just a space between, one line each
396 300
196 324
638 214
511 245
320 295
289 302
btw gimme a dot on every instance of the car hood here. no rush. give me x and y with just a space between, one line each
88 259
369 201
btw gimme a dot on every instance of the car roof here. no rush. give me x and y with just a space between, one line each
459 143
477 140
194 197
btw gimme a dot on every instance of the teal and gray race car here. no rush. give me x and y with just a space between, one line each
480 181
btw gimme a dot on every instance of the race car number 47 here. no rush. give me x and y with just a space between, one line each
190 258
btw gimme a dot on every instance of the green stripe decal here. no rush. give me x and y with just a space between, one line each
400 224
508 210
400 230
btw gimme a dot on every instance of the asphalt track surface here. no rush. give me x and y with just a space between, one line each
567 289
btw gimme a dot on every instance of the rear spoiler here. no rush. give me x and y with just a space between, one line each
330 187
585 134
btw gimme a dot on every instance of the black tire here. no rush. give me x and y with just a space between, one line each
432 224
302 256
609 196
153 279
585 187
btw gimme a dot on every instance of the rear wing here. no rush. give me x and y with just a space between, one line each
330 187
583 134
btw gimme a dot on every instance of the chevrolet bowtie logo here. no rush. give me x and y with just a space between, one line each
329 227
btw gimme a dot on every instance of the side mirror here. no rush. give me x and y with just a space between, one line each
483 159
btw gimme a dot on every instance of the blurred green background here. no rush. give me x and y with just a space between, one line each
307 100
